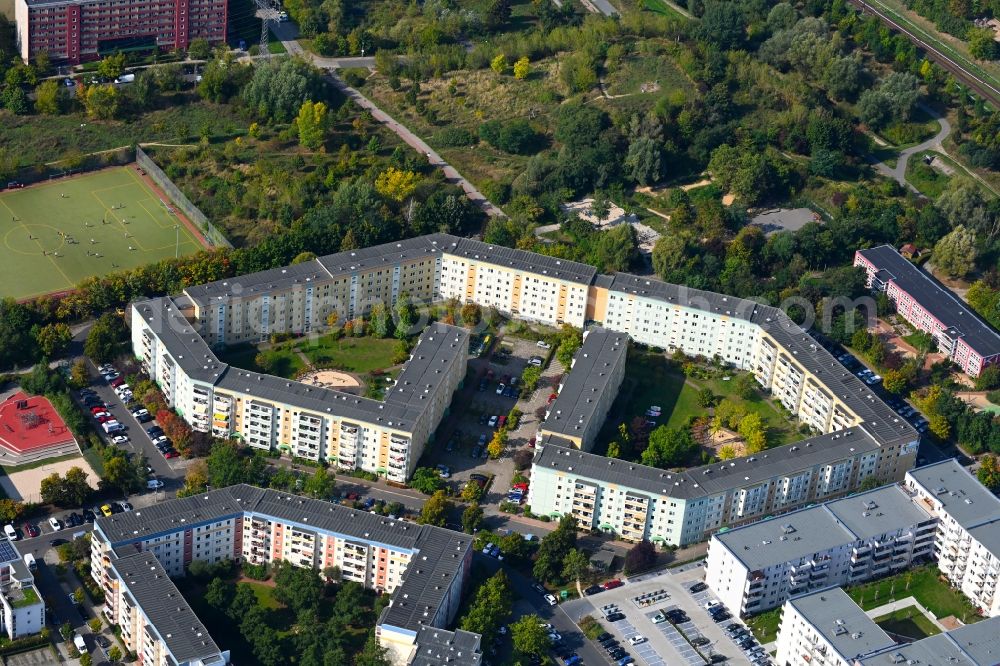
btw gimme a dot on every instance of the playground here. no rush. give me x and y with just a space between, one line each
56 233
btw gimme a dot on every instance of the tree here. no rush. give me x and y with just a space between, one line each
405 315
988 379
379 321
54 339
199 49
219 594
522 68
497 13
723 24
10 510
300 588
105 338
745 385
669 447
644 160
553 549
983 45
427 480
373 654
989 473
48 97
120 473
279 86
471 492
530 637
499 64
71 490
396 184
312 123
472 518
95 625
435 510
955 254
706 398
497 445
111 66
227 466
101 101
86 659
576 567
15 100
320 485
640 557
115 654
490 607
869 483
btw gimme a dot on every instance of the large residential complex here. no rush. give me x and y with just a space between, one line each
826 628
74 31
968 535
423 567
931 307
266 412
588 390
843 542
172 337
22 607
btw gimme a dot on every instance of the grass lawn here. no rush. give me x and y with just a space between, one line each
921 583
765 625
358 355
908 622
924 177
281 361
651 69
657 384
32 219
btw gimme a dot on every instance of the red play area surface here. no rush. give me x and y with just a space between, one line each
29 423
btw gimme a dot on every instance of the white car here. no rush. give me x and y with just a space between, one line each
551 600
712 604
55 524
10 532
162 438
120 439
637 639
543 344
500 388
154 484
554 636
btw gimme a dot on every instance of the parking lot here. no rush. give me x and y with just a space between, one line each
666 643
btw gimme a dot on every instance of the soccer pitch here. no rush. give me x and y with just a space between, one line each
54 234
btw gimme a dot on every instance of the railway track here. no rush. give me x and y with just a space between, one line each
971 79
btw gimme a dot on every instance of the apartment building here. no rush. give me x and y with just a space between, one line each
826 628
385 437
842 542
679 508
22 609
931 307
967 547
75 31
423 567
156 622
588 390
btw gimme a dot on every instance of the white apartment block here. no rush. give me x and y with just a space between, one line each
423 567
22 609
826 628
841 542
968 536
385 437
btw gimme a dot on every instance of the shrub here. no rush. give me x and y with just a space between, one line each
516 136
454 137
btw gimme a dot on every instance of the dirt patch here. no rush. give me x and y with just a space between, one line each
700 183
26 486
332 379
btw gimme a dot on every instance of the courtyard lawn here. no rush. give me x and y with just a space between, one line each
279 360
908 622
359 355
765 625
921 583
55 234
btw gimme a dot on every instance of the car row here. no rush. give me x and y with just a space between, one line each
616 653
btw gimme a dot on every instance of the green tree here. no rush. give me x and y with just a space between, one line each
471 492
576 567
955 254
219 594
120 473
427 480
278 86
86 659
982 44
199 49
312 123
472 518
499 63
989 472
745 385
15 100
101 101
553 549
644 162
529 636
54 339
522 68
300 588
115 654
669 447
48 97
105 338
490 607
869 483
373 654
111 67
321 484
706 398
71 490
435 510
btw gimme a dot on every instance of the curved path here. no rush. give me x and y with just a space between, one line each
935 143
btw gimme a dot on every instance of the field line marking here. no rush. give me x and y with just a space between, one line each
52 261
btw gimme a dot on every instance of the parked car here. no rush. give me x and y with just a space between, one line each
10 532
551 600
638 639
543 344
55 524
536 361
154 484
32 530
700 586
612 584
89 516
700 640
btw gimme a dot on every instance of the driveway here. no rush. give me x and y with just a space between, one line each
935 143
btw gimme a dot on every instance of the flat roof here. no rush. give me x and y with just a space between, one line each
438 553
821 527
682 295
711 479
254 284
976 644
29 423
439 647
169 614
959 492
841 622
183 342
439 348
532 262
570 414
937 299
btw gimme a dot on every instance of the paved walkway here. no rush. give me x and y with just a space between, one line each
935 143
900 604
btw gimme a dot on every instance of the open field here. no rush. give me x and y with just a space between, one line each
908 622
922 584
924 177
359 355
56 234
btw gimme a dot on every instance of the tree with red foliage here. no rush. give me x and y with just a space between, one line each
640 557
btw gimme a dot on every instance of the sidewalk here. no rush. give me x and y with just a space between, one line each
900 605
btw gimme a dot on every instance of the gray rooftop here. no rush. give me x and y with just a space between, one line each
254 284
802 533
713 479
679 294
169 614
440 553
438 349
976 644
438 647
935 298
184 344
841 622
582 387
387 254
540 264
959 492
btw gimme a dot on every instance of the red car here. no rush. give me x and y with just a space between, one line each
531 442
104 418
117 382
96 410
521 486
612 584
32 530
170 454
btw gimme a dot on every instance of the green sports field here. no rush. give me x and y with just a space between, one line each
54 234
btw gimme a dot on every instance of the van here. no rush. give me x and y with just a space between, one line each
81 646
125 78
29 561
10 532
